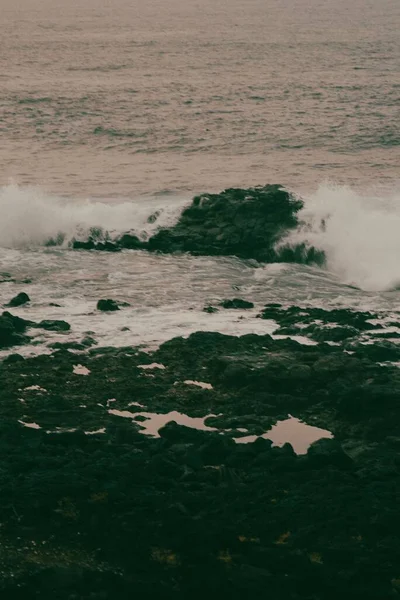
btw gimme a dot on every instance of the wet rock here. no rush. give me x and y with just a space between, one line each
88 341
321 325
19 300
83 245
153 217
179 434
107 305
13 358
107 246
236 303
217 450
294 315
242 222
210 309
131 242
12 329
328 452
91 244
67 346
255 517
50 325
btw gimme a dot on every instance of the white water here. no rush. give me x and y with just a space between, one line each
360 235
167 293
30 217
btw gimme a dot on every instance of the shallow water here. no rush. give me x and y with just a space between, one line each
166 294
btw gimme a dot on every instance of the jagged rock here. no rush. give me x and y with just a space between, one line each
19 300
242 222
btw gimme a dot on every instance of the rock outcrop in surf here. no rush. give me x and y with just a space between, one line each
247 223
241 222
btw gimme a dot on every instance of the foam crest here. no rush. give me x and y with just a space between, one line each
29 217
360 235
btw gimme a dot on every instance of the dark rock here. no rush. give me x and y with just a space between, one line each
217 450
13 358
210 309
84 245
178 433
153 217
243 222
50 325
107 305
101 246
327 334
88 341
250 516
67 346
236 303
107 247
328 452
337 325
12 329
130 242
19 300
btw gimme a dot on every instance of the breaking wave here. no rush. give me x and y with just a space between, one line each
360 235
29 217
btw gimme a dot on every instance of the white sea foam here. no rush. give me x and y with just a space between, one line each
359 234
30 217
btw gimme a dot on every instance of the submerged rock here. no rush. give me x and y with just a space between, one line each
19 300
107 305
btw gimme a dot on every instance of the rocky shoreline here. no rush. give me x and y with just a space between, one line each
95 507
247 223
156 473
